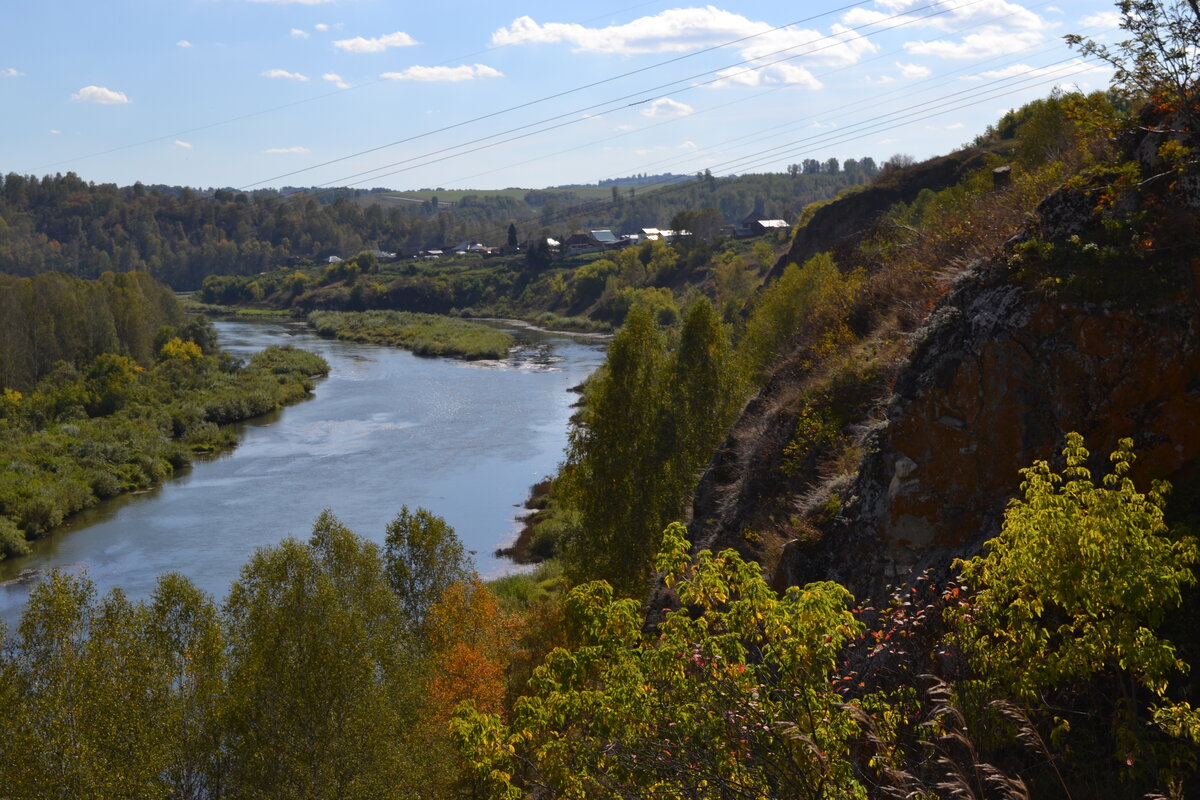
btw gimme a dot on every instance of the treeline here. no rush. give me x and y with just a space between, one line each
330 670
63 224
339 668
54 317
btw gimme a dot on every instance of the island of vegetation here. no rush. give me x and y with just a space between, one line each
423 334
108 388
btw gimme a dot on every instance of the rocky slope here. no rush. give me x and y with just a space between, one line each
1088 320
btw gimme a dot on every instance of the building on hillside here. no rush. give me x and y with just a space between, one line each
594 241
381 255
752 226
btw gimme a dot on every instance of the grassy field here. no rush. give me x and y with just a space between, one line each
424 334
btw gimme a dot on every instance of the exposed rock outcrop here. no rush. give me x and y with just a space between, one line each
1088 320
1007 365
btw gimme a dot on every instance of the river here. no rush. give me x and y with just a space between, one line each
384 429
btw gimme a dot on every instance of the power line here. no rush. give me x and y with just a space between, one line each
634 99
295 103
547 98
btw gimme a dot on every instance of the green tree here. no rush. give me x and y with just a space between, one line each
1076 584
88 720
423 556
703 392
805 300
184 630
321 689
729 699
611 475
1160 58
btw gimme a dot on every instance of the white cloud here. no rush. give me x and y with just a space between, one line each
998 27
991 41
100 95
684 29
675 31
623 128
299 33
1053 10
283 73
181 143
773 75
377 45
955 126
688 144
184 43
911 71
296 149
1101 19
321 26
668 108
335 79
55 131
10 72
464 72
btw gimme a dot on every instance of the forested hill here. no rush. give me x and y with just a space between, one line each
65 224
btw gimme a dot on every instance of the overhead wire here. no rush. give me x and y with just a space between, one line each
294 103
637 98
759 133
547 98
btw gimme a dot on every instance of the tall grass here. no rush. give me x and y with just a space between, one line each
423 334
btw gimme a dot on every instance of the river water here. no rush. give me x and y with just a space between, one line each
386 428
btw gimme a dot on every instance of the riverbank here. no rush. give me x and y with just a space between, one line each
384 429
594 335
118 428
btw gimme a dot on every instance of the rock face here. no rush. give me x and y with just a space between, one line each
998 378
1002 371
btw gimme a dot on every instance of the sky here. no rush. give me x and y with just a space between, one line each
485 95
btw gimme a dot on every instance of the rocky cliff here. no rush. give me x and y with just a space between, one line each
1088 320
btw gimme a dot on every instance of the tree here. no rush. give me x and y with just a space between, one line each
321 688
703 391
612 475
423 557
512 234
1160 59
1076 583
183 628
538 256
729 698
88 722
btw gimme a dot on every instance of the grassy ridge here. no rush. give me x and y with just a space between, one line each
423 334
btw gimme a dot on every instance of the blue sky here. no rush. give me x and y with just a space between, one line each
248 93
